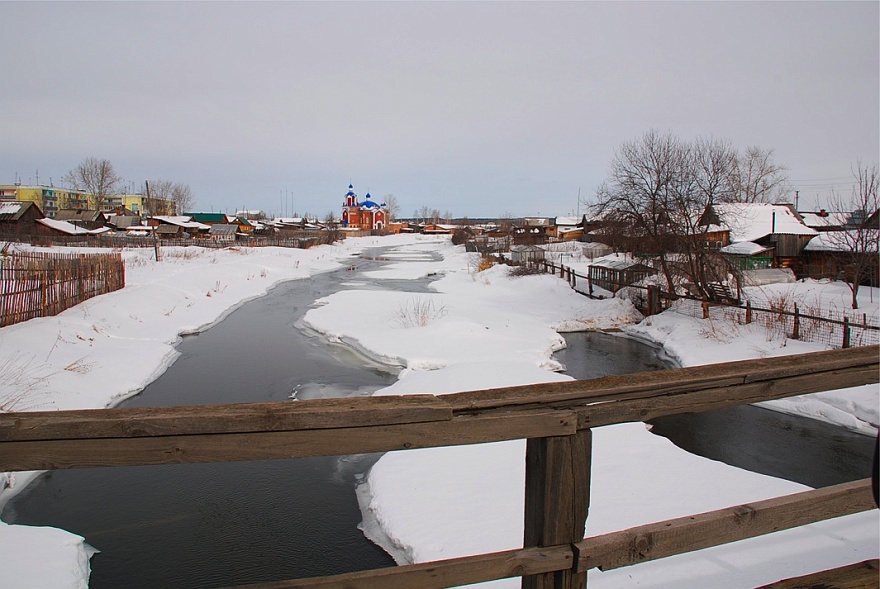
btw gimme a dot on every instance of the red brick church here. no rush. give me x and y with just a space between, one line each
367 215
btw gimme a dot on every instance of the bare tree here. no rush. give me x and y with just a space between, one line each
96 177
759 178
637 197
654 197
435 216
392 206
856 247
182 197
158 197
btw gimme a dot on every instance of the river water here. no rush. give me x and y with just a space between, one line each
799 449
209 525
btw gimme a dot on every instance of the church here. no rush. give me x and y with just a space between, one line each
368 215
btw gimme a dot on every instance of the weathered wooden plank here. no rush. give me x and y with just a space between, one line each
861 575
685 534
233 418
647 408
557 501
441 573
99 452
671 381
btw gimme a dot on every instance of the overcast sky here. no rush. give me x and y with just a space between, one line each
475 109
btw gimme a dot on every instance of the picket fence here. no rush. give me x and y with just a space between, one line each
37 284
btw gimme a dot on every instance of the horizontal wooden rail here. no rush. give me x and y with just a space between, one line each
327 427
695 532
555 418
442 573
613 550
862 575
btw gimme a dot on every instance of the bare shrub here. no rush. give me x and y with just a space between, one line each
22 383
527 270
419 312
485 263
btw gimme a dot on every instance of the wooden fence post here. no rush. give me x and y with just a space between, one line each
705 309
796 329
748 312
845 332
557 500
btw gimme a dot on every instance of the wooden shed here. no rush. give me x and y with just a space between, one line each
612 274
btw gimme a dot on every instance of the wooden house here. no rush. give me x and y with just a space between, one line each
222 232
85 218
776 228
17 218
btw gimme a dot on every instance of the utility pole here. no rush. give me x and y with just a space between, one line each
155 232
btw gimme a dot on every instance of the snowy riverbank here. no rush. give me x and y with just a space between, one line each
495 330
475 330
109 348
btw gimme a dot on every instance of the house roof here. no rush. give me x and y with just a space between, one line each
752 221
13 211
64 227
209 217
86 215
223 229
744 248
837 241
181 221
823 219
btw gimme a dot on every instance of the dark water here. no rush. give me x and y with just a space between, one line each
794 448
209 525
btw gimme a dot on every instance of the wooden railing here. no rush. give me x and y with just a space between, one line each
555 418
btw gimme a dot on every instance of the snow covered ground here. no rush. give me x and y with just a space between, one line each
475 330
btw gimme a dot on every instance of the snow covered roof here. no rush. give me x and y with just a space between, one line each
64 227
560 221
752 221
744 248
825 219
181 221
223 229
616 262
837 241
10 208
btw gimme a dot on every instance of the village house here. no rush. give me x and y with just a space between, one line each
777 231
17 218
177 226
85 218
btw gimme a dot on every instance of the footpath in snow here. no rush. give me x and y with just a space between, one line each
475 330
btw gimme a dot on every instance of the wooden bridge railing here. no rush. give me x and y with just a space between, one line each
555 418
